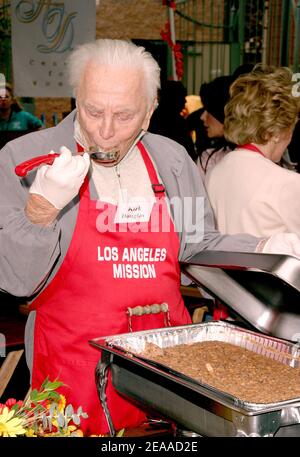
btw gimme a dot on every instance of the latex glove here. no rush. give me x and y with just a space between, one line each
60 182
281 243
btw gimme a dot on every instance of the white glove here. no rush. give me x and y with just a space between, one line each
60 182
282 243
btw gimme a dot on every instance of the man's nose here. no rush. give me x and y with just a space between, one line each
106 127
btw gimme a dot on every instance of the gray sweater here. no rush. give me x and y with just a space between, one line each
28 252
30 255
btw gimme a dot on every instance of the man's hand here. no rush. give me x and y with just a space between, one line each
60 183
281 243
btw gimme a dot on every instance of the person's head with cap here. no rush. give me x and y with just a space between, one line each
214 96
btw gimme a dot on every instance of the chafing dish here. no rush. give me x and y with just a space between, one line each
194 406
264 291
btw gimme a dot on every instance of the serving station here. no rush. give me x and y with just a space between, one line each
263 291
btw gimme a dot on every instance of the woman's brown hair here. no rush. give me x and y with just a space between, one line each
16 105
261 105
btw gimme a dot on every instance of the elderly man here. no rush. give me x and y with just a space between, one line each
98 233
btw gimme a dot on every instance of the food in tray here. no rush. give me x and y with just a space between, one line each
249 376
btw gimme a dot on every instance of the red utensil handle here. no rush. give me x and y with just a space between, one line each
28 165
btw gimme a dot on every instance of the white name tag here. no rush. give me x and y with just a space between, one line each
133 211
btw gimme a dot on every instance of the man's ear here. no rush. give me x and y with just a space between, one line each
149 114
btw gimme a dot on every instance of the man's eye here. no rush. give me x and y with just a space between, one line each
124 116
94 114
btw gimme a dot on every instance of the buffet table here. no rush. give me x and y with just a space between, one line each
264 291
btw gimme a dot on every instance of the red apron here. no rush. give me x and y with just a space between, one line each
88 299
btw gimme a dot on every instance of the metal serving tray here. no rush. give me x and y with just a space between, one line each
264 289
194 406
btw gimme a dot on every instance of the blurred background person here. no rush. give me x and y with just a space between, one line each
197 129
214 96
167 119
291 158
248 191
13 117
212 145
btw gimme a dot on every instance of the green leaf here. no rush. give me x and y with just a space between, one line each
44 384
53 409
61 420
33 394
120 433
46 423
42 396
50 385
69 410
53 385
15 407
76 419
53 396
39 408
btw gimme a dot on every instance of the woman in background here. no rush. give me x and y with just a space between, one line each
214 96
12 115
248 191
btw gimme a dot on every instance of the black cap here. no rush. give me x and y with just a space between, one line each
242 70
214 96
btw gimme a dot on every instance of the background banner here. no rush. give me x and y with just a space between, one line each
43 34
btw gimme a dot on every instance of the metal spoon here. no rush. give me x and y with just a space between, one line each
105 157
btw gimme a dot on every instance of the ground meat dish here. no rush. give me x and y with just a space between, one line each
242 373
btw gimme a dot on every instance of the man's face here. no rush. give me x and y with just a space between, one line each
112 107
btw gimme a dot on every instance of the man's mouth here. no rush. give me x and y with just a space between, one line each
104 156
111 156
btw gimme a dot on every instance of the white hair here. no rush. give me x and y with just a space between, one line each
117 53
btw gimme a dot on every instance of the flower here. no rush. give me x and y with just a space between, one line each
10 425
61 403
43 413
